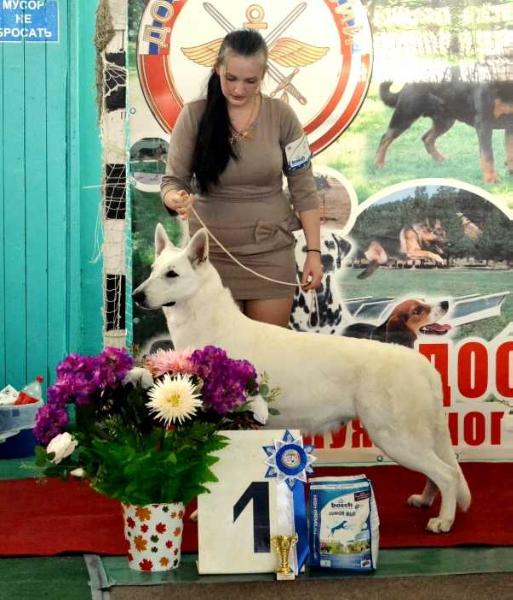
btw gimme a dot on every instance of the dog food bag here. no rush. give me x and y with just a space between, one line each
344 523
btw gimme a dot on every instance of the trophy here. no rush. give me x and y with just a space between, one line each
282 544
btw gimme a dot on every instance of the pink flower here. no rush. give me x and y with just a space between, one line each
170 361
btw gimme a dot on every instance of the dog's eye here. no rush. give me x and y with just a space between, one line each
171 273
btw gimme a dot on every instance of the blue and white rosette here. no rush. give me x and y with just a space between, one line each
289 461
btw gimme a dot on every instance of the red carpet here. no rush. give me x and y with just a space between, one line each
52 517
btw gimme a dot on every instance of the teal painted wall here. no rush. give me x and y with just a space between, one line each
50 291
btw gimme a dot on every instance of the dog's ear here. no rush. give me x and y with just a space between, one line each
161 239
197 249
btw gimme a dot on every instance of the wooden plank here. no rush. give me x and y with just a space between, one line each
57 74
2 233
91 179
47 229
73 195
14 207
36 104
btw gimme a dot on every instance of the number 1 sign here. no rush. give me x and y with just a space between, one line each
237 520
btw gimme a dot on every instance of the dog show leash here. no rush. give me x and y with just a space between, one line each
313 302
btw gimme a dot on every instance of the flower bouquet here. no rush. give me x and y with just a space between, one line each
146 435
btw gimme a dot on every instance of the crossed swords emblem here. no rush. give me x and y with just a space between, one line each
285 51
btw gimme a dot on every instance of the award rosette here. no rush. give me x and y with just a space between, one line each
289 461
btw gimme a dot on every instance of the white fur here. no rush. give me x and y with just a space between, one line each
326 380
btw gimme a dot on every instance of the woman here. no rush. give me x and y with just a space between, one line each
232 149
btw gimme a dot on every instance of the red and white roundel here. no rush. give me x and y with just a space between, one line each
320 56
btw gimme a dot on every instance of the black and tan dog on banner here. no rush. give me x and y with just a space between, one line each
485 106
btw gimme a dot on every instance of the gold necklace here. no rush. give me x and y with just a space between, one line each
246 130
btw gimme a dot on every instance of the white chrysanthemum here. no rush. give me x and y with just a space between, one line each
174 399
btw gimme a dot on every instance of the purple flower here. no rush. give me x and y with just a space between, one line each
58 394
79 378
225 380
50 421
113 365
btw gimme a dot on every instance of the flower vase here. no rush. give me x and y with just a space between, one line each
154 535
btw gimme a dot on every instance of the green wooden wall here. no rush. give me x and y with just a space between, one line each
50 291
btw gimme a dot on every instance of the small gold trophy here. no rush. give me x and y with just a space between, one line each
282 544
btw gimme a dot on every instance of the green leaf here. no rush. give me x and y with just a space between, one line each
264 389
41 456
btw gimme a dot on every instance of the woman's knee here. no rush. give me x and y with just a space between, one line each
275 311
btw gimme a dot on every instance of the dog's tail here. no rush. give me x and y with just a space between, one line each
369 269
388 97
464 497
445 450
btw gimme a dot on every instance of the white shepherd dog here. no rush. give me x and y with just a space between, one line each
326 380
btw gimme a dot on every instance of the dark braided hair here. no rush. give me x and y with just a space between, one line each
213 150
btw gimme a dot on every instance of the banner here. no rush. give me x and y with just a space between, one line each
408 108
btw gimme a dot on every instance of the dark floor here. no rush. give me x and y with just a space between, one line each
66 578
467 587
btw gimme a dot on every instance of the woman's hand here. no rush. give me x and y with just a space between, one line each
312 272
179 201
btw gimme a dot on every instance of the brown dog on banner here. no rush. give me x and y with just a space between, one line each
418 241
485 106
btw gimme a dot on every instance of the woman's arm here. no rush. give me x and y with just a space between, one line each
175 188
312 269
303 193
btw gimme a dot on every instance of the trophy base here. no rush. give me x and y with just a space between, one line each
285 576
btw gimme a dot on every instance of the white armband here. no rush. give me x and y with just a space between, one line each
297 154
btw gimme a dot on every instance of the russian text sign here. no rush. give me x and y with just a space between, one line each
29 21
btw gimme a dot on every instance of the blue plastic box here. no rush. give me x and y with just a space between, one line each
16 424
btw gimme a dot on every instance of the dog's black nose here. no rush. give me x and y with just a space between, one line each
444 305
139 297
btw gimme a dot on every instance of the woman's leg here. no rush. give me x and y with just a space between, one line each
275 311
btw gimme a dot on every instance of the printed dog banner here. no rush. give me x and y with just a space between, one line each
412 136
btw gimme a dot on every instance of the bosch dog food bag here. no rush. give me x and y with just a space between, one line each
344 523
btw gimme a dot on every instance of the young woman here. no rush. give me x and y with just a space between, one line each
228 154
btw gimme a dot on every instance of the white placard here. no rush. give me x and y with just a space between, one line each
238 518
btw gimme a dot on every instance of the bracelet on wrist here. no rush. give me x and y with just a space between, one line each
313 250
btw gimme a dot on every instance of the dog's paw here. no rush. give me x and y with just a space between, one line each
491 177
418 501
438 525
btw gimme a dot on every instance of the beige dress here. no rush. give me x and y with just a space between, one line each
248 210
